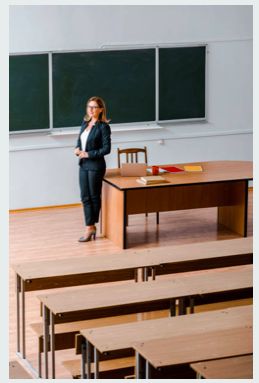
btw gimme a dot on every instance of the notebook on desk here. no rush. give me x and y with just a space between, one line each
133 169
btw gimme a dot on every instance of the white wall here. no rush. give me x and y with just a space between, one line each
43 170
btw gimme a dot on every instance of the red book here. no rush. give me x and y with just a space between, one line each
171 169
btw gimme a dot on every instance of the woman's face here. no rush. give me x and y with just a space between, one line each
93 109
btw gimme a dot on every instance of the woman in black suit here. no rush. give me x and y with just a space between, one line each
94 142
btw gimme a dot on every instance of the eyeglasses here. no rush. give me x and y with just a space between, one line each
92 107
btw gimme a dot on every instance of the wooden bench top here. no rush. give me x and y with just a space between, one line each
132 259
129 293
197 347
118 337
74 365
238 367
17 371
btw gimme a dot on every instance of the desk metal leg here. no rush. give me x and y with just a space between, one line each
46 338
136 275
144 274
153 272
157 218
89 358
140 366
191 305
23 319
18 289
96 363
148 370
172 308
182 306
83 359
39 362
52 343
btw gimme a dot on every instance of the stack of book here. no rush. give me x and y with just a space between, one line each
193 168
151 180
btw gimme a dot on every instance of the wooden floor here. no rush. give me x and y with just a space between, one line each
53 234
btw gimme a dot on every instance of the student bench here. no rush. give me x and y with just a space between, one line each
91 302
41 275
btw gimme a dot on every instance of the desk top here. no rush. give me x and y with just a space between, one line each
131 293
238 367
197 347
122 336
133 259
213 171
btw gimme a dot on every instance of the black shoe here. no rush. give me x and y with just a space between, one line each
88 237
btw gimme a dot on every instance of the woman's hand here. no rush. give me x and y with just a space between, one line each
83 154
77 151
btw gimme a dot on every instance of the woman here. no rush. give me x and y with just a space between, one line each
94 142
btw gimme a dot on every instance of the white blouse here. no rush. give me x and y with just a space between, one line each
83 138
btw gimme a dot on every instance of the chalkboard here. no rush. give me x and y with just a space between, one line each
28 92
182 83
125 79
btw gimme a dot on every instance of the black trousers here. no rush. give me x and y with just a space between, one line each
91 187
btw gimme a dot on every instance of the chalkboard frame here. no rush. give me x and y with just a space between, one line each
127 125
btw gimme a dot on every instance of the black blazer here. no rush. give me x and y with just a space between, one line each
98 144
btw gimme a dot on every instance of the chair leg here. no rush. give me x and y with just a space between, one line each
146 214
157 218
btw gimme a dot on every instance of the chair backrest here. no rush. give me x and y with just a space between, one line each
131 154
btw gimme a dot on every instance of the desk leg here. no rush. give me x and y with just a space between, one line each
46 339
140 366
114 215
148 370
83 359
18 323
172 308
153 272
23 319
52 343
191 303
182 306
234 217
89 358
96 363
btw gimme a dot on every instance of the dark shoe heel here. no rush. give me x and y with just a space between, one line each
89 237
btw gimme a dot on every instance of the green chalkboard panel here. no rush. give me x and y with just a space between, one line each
28 92
125 79
182 83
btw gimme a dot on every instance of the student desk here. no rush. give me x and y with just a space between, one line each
186 349
116 338
41 275
222 184
239 367
97 302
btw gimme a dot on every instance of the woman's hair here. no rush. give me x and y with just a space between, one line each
102 116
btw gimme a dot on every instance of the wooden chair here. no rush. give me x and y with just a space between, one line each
132 156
